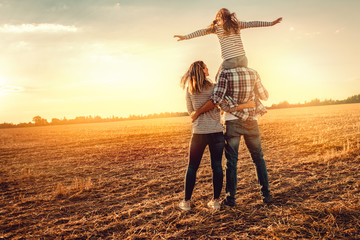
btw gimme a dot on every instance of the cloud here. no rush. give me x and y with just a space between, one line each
312 34
77 99
337 31
33 28
20 46
11 89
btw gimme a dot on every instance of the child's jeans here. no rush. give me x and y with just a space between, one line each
235 62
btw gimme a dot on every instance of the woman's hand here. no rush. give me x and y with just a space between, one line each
181 37
194 115
249 104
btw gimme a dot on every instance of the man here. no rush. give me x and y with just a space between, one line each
240 84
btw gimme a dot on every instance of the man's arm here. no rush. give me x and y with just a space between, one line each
260 90
229 105
210 105
249 104
260 93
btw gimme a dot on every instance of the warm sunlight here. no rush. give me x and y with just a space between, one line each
2 80
111 62
156 119
2 86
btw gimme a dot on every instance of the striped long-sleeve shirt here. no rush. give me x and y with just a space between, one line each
231 45
241 84
209 122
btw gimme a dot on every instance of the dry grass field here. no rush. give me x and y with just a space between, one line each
124 180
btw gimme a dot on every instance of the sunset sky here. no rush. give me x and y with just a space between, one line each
85 57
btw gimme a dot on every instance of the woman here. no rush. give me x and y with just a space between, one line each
207 130
227 28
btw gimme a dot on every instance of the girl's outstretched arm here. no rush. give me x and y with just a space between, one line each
198 33
254 24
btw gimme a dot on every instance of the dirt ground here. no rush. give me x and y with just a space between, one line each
124 180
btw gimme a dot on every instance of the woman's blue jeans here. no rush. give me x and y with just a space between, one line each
250 130
198 144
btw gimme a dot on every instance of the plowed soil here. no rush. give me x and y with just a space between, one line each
124 180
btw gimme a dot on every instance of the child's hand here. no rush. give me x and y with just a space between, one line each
180 37
277 21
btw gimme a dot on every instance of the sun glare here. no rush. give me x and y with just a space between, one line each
2 86
2 80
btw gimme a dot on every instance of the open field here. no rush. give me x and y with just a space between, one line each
123 180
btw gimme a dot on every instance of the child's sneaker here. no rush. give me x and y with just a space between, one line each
214 204
185 205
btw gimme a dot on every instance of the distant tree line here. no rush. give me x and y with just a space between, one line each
39 121
316 102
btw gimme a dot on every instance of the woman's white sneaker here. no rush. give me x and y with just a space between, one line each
214 204
185 205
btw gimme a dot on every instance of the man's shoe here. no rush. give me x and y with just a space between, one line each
185 205
214 204
268 199
226 202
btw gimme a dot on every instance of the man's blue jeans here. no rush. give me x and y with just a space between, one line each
198 143
250 130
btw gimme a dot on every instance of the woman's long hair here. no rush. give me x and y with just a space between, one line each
230 22
194 79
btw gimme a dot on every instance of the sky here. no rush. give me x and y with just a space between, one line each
115 58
